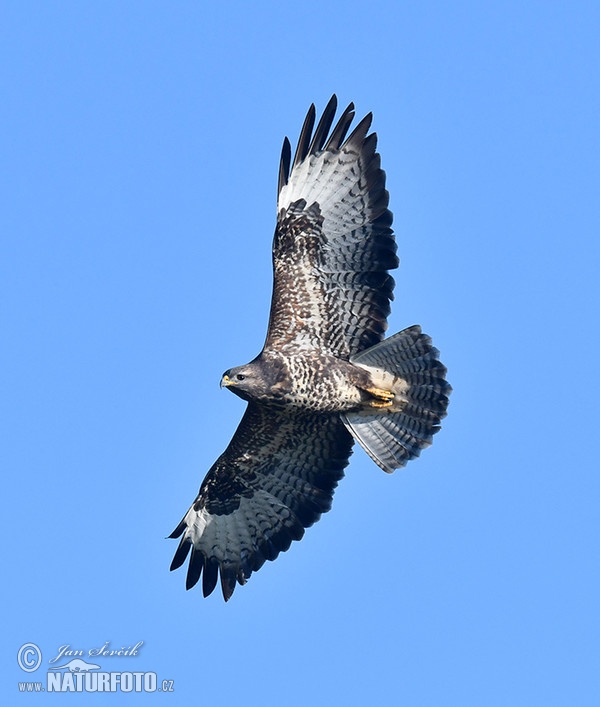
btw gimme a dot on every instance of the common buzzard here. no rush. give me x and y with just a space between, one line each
325 376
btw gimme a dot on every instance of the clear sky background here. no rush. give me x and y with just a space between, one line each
140 146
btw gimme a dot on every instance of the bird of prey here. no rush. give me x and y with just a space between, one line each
326 376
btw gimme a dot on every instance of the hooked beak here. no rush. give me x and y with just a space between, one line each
226 382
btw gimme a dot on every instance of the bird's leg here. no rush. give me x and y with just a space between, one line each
381 398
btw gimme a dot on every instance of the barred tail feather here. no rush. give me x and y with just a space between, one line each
407 365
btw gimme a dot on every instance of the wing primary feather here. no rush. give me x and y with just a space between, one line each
194 568
210 576
181 553
323 126
369 147
304 139
228 579
341 128
284 164
360 131
179 529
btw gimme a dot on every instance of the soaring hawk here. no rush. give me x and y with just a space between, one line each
325 376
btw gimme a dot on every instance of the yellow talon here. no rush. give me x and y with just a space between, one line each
380 403
381 394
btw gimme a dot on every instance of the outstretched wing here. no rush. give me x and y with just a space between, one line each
333 243
276 477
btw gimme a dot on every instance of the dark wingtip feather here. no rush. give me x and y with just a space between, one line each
178 530
360 131
228 580
210 576
369 147
181 554
339 132
194 568
323 126
284 164
305 133
320 141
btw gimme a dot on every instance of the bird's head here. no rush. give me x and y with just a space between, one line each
258 380
245 381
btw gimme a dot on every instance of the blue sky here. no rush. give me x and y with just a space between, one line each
140 145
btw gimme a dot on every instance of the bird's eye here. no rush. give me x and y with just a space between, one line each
240 377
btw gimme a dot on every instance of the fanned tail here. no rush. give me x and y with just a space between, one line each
408 366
